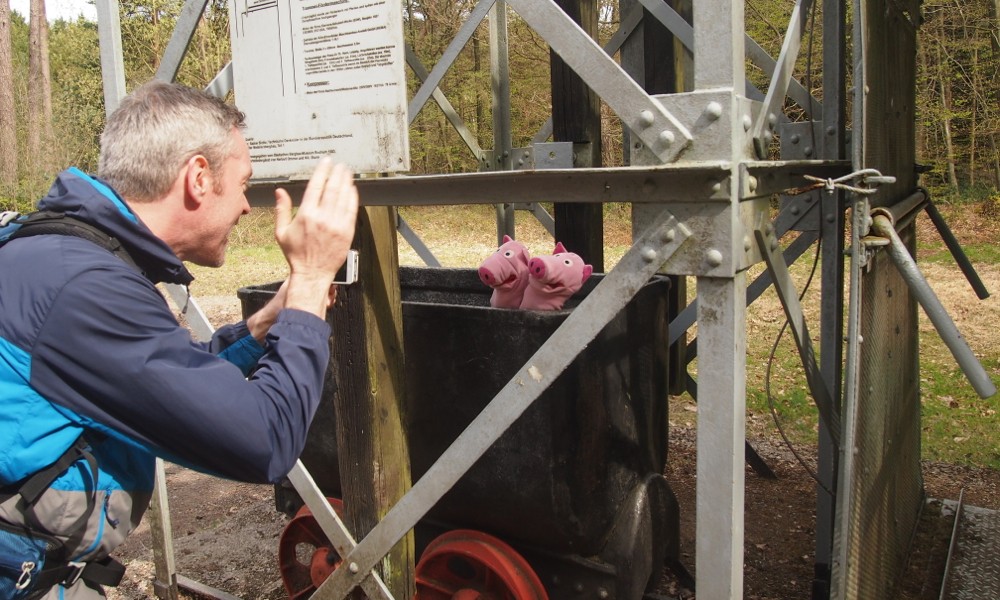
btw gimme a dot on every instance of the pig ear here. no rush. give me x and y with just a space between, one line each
559 248
587 272
507 238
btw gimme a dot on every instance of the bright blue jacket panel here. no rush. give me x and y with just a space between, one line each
86 341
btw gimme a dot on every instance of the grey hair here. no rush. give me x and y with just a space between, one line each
156 129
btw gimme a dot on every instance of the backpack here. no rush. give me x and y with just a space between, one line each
14 225
31 562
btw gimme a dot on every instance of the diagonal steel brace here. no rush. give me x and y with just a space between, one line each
783 284
609 297
659 130
333 526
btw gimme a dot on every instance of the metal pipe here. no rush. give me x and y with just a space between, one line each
901 213
970 365
956 251
951 545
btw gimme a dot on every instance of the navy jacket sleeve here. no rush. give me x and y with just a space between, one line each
112 352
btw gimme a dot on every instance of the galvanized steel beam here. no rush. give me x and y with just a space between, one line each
109 32
443 103
789 298
335 530
654 125
450 54
187 24
763 129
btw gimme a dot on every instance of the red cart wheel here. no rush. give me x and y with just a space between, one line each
305 555
466 565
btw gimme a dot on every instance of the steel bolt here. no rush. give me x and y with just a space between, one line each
717 186
808 151
713 257
648 255
795 210
713 110
578 587
752 183
353 567
747 243
602 593
830 218
667 137
772 119
747 122
774 243
646 118
831 130
794 139
668 236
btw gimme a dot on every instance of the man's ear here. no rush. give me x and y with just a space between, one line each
197 179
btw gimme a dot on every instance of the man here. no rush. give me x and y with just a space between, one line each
89 346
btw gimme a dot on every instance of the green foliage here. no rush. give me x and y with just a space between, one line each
958 101
78 96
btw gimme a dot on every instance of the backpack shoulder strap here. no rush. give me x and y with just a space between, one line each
52 222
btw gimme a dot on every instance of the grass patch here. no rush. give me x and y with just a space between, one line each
980 253
958 426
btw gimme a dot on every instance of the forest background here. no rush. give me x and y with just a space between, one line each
52 107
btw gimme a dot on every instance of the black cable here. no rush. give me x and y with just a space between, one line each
767 376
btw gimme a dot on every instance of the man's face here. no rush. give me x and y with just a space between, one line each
225 203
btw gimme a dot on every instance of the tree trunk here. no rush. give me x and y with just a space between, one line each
974 114
995 43
945 90
39 89
996 160
8 132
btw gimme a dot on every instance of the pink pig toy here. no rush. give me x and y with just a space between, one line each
506 271
553 279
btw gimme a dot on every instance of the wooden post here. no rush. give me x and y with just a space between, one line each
576 117
165 584
371 436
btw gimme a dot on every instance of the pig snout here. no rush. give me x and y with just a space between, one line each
536 267
487 276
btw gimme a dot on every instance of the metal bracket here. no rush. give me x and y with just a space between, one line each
619 286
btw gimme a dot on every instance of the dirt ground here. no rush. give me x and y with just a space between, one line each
225 534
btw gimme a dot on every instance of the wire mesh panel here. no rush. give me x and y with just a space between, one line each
887 490
886 487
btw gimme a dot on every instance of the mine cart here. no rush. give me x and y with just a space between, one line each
569 503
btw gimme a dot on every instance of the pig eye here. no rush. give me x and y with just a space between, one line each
508 254
567 262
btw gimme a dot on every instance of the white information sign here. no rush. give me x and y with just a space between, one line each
317 78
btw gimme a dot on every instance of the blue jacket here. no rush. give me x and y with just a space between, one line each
87 342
